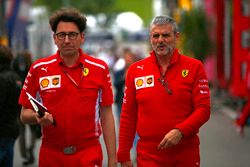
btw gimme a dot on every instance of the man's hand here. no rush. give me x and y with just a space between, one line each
46 120
126 164
172 138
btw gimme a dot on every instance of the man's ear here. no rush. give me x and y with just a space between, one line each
54 37
177 35
82 36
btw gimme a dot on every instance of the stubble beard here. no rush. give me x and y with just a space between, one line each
168 51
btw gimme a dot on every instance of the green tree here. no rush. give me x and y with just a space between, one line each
85 6
110 7
142 8
195 29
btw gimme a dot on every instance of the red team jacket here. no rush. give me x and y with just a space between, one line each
75 106
151 111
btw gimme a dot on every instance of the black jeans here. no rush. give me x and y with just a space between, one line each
6 152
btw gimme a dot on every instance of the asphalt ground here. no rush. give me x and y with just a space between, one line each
221 145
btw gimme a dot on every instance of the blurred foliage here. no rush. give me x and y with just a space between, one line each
85 6
143 8
109 7
194 27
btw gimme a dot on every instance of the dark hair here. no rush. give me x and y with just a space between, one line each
6 55
68 15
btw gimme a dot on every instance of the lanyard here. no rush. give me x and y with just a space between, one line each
165 85
163 81
70 78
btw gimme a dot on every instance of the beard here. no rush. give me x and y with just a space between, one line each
164 49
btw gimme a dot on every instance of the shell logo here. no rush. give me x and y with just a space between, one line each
45 83
139 82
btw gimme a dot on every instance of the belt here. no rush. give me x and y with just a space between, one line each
71 149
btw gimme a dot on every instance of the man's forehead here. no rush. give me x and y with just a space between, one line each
163 27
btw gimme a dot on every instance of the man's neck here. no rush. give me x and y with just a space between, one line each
70 60
164 61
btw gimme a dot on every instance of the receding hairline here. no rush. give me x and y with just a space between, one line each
164 20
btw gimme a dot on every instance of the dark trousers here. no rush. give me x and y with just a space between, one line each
6 152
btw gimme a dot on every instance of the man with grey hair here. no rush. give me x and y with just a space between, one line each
166 101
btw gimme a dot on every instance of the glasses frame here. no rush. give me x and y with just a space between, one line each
71 35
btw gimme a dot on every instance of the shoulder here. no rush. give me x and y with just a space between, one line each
191 60
7 73
44 61
193 65
9 76
141 63
140 68
95 62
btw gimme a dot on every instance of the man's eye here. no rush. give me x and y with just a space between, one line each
61 35
156 35
164 35
73 34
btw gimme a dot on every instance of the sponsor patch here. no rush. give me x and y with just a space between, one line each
203 86
44 83
144 82
55 81
203 91
49 82
203 80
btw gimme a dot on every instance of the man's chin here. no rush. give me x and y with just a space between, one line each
162 53
69 52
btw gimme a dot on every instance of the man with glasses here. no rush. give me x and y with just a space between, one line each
166 101
77 93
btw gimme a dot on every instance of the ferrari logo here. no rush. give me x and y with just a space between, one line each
85 72
184 73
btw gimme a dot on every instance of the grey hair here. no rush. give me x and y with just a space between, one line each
163 20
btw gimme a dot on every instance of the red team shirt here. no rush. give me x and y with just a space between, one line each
150 110
72 95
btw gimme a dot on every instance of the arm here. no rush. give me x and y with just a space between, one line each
29 116
201 104
108 127
200 114
128 121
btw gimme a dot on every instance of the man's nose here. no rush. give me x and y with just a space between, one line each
66 38
161 38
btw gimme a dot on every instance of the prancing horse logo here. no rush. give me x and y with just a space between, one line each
184 73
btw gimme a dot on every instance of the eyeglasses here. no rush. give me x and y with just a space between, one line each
165 85
156 35
71 35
